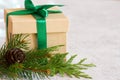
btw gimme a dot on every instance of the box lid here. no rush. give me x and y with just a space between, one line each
27 24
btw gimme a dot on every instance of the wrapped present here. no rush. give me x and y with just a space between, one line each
51 33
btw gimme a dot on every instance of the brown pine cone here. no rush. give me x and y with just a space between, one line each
14 55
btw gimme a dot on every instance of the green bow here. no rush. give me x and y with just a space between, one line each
39 12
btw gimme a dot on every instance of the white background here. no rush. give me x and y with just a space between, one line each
94 33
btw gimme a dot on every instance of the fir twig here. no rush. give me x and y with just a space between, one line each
17 41
58 65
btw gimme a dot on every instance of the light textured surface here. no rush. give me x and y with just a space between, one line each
94 33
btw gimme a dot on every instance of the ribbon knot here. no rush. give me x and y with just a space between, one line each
39 12
42 12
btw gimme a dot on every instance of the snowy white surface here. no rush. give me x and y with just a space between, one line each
94 33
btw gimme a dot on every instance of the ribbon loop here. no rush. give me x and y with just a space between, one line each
29 5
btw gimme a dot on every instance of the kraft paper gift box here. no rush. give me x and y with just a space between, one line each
56 25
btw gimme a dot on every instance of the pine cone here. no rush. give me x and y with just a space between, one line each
14 55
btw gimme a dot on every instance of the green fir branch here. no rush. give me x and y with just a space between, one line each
39 64
58 65
17 41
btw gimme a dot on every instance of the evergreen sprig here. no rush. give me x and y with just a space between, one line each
58 64
39 64
16 41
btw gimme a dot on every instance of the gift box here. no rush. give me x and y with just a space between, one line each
56 28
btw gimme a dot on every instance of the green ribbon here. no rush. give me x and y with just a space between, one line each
39 12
